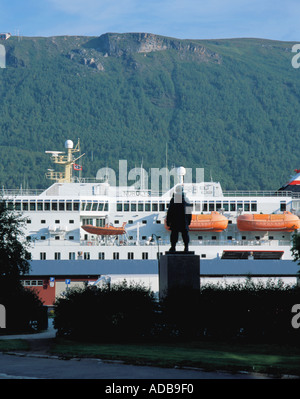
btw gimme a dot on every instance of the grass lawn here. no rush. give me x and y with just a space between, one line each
7 345
263 358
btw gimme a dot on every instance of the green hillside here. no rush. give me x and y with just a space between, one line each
229 106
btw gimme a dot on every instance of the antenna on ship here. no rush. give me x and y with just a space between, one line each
68 161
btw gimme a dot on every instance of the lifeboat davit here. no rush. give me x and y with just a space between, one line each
209 222
107 230
265 222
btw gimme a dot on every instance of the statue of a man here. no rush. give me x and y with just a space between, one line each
179 217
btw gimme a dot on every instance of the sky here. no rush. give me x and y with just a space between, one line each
183 19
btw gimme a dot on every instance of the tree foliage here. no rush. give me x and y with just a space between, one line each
14 256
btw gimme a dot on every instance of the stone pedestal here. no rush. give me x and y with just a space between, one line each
179 271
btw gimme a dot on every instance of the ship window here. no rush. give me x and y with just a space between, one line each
101 256
116 255
76 206
95 206
211 206
25 206
43 237
154 207
144 221
144 237
10 206
40 206
57 255
203 255
106 207
61 206
257 237
133 207
100 206
69 206
147 207
200 237
225 206
140 207
71 255
253 206
240 206
57 238
116 221
83 206
218 205
158 222
229 237
204 206
119 207
57 221
47 206
86 256
144 255
100 222
28 221
32 206
282 206
88 206
71 238
232 206
246 206
71 221
130 237
197 207
130 255
54 206
87 221
271 238
18 206
126 206
244 238
130 221
162 207
214 237
42 255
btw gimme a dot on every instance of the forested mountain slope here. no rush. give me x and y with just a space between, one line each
230 106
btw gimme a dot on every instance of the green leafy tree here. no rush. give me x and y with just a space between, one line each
14 254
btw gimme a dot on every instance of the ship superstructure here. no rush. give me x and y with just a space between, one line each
75 219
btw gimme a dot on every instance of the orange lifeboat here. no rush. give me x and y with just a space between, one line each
107 230
265 222
209 222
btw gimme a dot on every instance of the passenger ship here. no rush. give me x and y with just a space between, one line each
75 219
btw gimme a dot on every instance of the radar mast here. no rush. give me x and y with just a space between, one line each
67 160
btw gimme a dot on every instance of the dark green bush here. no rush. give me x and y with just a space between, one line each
121 312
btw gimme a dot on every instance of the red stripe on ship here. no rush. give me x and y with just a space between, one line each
294 183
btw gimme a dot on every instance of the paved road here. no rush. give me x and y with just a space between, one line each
12 366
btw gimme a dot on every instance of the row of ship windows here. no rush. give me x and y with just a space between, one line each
101 255
95 206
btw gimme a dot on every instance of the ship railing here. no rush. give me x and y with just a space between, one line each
20 192
244 243
264 193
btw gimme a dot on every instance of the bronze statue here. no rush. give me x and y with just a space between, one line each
179 218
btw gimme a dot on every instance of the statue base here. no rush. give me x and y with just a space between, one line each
179 271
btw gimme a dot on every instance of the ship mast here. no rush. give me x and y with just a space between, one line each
67 161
